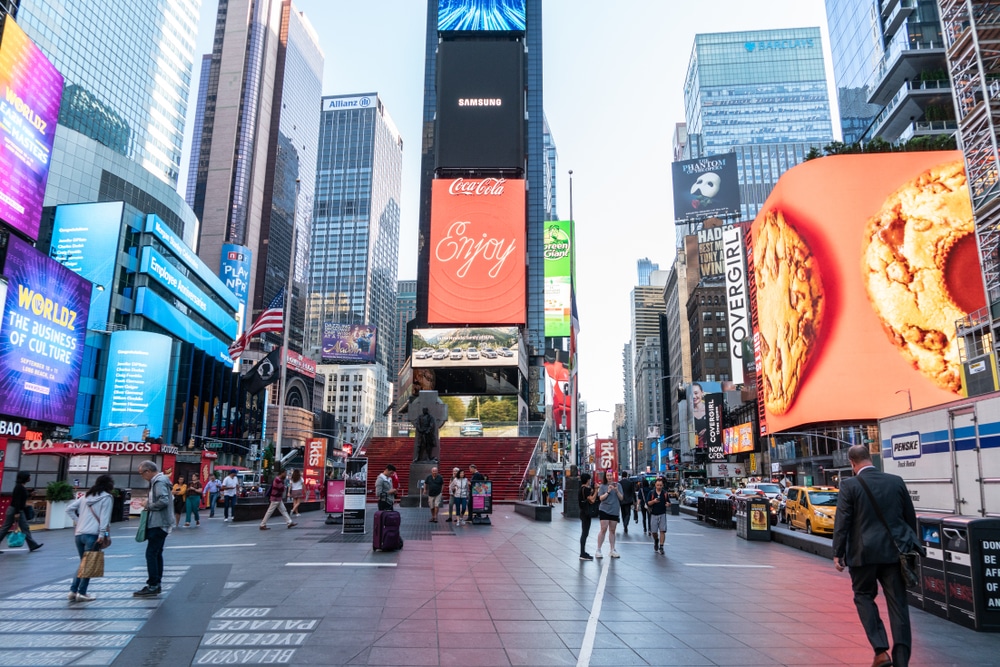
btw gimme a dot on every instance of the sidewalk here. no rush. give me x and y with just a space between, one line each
511 594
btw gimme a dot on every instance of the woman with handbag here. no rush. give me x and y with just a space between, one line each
92 515
17 512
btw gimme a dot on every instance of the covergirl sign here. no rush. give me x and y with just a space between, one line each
477 253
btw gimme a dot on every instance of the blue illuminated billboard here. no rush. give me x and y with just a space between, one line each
42 336
168 275
135 388
234 269
176 245
481 15
150 304
85 241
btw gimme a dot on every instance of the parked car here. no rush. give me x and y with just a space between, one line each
489 353
690 497
424 353
439 355
457 354
770 489
473 353
471 427
504 352
812 508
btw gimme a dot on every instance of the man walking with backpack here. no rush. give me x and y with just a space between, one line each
628 497
657 503
276 495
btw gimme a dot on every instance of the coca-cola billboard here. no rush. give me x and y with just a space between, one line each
477 272
480 105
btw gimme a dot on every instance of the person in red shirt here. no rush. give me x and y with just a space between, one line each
277 498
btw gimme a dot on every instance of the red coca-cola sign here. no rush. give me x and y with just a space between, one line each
474 187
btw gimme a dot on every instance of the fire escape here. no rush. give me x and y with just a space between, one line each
972 41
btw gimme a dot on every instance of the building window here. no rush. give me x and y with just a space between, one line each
709 347
707 316
706 332
723 347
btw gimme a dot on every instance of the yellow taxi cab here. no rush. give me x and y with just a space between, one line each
812 508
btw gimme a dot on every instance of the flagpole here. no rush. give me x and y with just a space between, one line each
284 335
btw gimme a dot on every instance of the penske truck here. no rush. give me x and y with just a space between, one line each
949 455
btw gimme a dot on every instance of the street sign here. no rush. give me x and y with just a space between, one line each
213 445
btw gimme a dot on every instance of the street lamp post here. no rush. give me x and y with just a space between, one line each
287 325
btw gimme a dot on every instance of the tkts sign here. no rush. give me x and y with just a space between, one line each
315 462
477 257
607 454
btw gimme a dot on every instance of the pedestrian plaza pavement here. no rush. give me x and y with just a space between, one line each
514 593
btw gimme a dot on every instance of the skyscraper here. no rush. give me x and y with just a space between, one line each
762 94
645 268
406 310
355 244
256 162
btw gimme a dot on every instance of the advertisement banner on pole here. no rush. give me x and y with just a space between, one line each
355 493
334 496
713 414
607 454
315 463
558 254
738 323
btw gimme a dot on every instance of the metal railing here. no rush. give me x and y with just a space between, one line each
531 488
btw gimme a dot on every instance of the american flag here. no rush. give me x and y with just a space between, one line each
272 319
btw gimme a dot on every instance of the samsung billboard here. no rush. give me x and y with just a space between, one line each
42 335
480 105
481 15
135 387
705 188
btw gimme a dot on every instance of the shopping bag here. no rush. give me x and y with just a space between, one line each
91 565
140 535
15 540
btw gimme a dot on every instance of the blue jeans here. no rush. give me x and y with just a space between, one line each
155 537
229 506
213 498
191 505
84 542
460 506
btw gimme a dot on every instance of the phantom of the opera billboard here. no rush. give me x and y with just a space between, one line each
705 188
862 265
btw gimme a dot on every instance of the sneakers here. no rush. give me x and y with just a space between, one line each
147 592
661 550
448 520
71 596
292 523
614 554
83 597
626 530
36 547
598 554
264 528
187 525
586 556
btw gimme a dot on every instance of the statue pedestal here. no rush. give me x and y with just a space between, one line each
418 473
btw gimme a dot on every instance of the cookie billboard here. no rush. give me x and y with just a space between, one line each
708 187
861 266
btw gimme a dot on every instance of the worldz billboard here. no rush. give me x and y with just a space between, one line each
708 187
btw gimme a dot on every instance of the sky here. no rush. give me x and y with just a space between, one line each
613 92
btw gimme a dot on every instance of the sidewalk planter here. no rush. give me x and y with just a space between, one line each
57 498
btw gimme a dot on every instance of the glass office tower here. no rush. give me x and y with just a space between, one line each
121 123
761 93
355 233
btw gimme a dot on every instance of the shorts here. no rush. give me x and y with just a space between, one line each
435 501
297 493
657 523
604 516
552 494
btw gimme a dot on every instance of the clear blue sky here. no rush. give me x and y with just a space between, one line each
613 82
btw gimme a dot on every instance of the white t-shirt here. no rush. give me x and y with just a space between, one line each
296 486
229 485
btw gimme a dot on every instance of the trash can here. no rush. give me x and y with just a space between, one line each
929 532
571 497
752 520
118 505
972 571
675 507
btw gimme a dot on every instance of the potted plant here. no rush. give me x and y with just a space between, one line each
57 498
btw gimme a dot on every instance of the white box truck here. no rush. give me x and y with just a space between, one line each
949 455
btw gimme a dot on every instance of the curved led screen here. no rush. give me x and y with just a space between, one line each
481 15
135 388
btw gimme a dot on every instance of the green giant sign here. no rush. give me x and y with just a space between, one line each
558 253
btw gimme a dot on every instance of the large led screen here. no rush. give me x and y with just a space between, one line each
465 347
708 187
862 264
737 439
234 269
481 15
30 93
349 343
186 290
557 251
558 388
466 381
85 241
135 388
477 271
480 105
42 335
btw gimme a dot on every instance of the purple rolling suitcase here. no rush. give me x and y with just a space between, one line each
386 531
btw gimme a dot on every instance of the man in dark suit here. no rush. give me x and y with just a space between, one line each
862 543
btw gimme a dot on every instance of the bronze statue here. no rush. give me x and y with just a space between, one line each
425 447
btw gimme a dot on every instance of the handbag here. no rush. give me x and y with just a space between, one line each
140 535
104 541
909 563
15 540
91 565
384 503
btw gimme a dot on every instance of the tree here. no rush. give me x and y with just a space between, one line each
813 154
498 411
456 411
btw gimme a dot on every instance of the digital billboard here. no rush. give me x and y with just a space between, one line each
861 265
738 321
477 256
710 252
465 347
349 343
29 108
85 240
187 291
708 187
480 105
698 409
481 15
713 426
135 387
557 251
150 304
737 439
490 381
558 391
42 335
176 245
234 269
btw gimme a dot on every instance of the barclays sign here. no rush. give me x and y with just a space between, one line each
770 45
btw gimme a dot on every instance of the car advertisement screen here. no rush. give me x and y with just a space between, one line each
465 347
737 439
481 15
708 187
480 105
85 241
42 335
557 250
349 343
30 94
477 256
862 264
135 388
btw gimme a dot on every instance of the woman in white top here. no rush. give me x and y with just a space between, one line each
459 490
296 490
92 515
